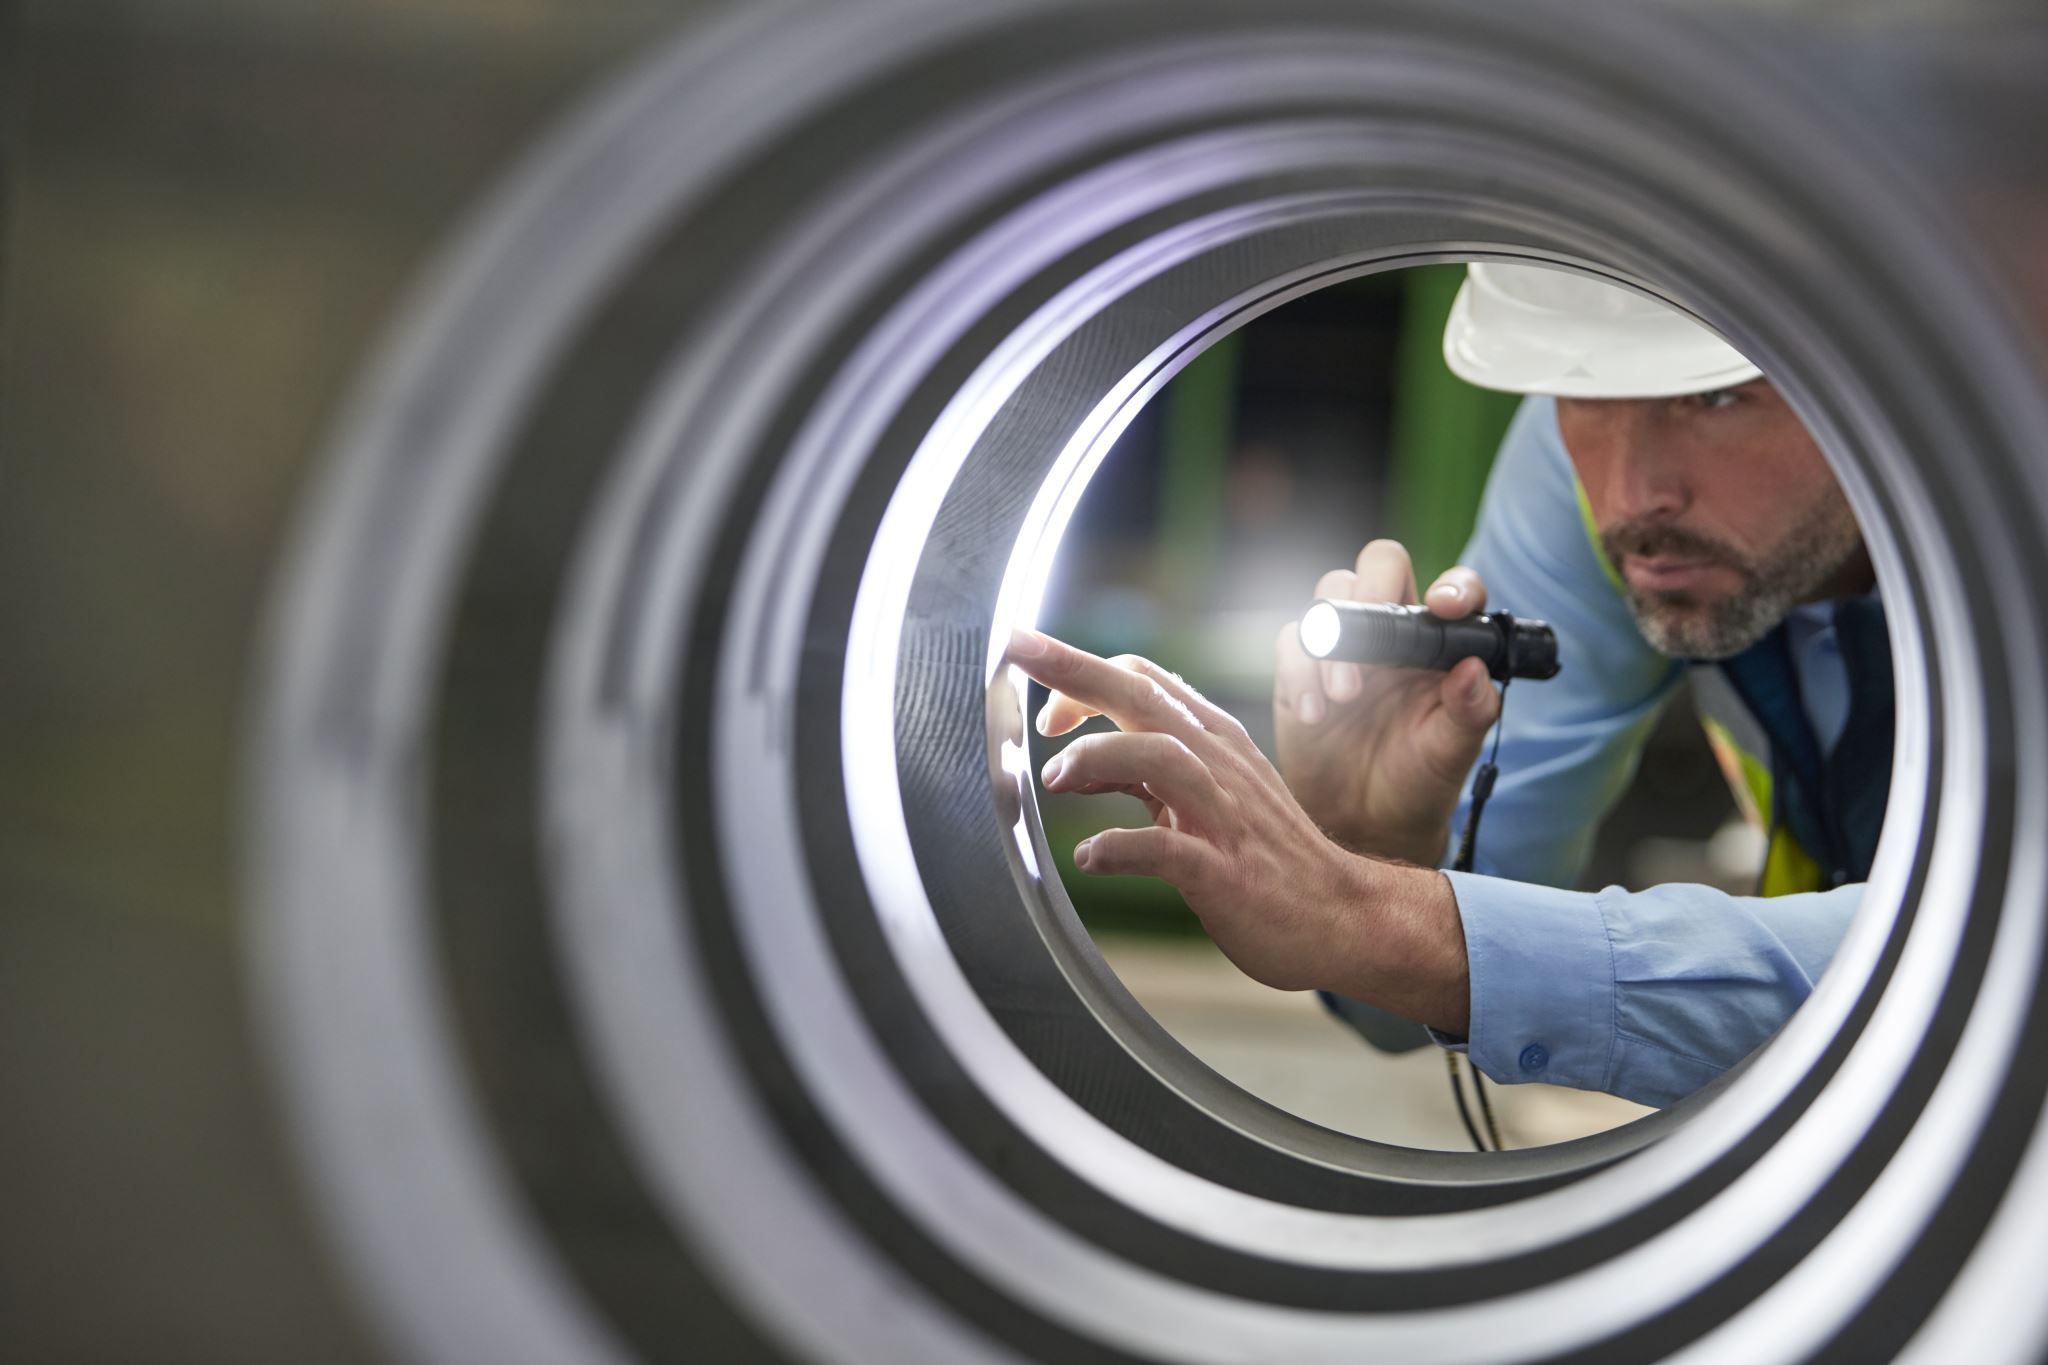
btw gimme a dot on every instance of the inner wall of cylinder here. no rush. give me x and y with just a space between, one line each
930 1044
946 667
962 672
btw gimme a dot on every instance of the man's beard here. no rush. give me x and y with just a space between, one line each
1683 626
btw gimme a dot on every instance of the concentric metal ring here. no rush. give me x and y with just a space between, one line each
708 996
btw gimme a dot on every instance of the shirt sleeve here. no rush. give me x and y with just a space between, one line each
1647 995
1568 746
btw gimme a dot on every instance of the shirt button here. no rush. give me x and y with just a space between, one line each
1535 1057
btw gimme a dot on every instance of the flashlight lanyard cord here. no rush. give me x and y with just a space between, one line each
1482 788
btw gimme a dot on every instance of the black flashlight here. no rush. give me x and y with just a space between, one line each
1414 637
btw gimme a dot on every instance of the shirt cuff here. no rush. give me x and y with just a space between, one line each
1542 974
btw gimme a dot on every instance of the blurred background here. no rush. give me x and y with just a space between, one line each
211 209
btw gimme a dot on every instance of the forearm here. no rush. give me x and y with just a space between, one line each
1402 947
1424 845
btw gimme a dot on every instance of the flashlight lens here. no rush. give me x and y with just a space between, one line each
1320 628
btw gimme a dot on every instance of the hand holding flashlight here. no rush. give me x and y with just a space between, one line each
1379 755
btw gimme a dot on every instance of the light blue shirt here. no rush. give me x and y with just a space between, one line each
1646 994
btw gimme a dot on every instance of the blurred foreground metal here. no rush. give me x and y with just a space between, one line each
642 872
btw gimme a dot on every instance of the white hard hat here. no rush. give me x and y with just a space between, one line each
1534 329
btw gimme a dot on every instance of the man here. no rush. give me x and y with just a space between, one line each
1659 503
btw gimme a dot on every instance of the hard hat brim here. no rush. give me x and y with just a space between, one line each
1667 356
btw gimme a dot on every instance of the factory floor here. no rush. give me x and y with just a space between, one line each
1285 1049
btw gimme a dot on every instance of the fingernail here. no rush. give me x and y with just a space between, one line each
1051 772
1344 682
1447 593
1083 851
1310 708
1026 644
1477 691
1039 723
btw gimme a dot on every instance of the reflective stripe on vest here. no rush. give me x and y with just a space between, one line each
1788 867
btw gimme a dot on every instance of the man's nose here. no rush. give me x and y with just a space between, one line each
1649 478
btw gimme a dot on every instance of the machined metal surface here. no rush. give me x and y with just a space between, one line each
709 997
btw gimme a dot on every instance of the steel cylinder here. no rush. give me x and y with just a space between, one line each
643 903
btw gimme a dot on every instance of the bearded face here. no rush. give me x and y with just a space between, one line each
1693 624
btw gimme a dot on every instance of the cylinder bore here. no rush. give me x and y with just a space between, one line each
704 988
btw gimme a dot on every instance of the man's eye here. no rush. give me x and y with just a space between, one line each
1715 400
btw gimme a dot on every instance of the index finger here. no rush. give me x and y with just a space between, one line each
1131 699
1383 573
